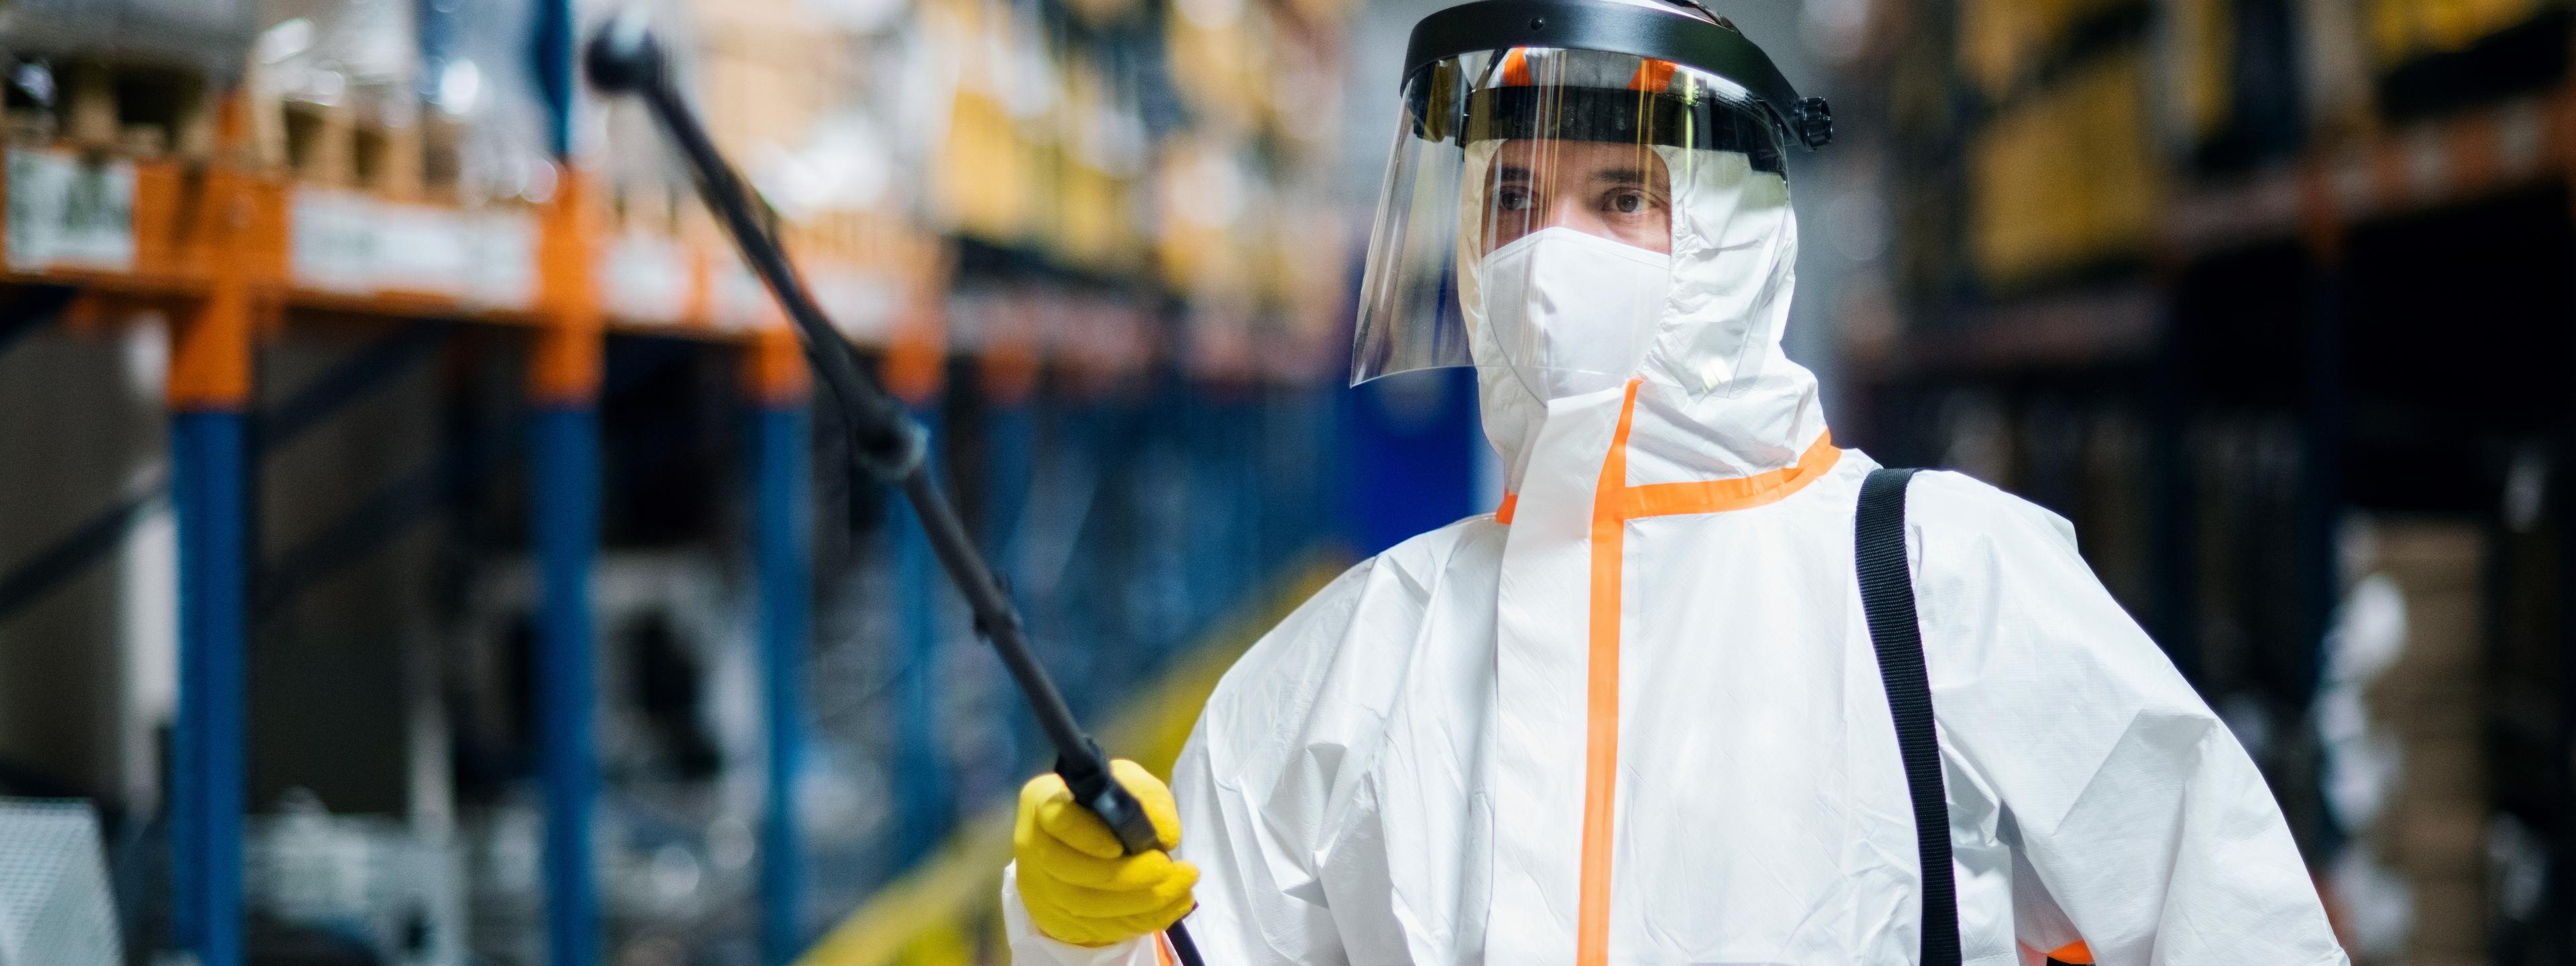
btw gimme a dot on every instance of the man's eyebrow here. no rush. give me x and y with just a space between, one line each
1511 172
1635 176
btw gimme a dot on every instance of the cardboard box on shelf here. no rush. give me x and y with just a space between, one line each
2427 700
2450 920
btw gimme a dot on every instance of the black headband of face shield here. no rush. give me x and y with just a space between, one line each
1619 28
1610 117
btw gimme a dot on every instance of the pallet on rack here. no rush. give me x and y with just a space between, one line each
118 106
338 146
442 155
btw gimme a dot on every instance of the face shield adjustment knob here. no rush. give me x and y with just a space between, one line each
1815 122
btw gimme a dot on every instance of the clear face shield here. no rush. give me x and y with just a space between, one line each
1550 210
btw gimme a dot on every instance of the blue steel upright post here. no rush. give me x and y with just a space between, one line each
784 544
1411 444
565 515
1009 371
924 791
925 805
564 380
207 475
209 394
1010 441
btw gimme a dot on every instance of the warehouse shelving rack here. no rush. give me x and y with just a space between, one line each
232 253
2310 200
2319 222
215 248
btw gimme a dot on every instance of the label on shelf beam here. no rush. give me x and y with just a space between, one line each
645 278
739 302
349 243
860 305
332 245
422 248
65 212
505 260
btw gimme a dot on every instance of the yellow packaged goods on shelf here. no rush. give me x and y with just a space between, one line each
1999 40
2203 35
2403 30
1210 211
1101 11
2066 178
1221 55
1092 228
985 172
1096 156
986 169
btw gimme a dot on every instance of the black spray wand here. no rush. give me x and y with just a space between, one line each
886 442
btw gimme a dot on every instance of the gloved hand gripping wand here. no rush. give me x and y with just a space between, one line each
624 57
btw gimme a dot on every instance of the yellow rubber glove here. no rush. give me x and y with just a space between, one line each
1079 885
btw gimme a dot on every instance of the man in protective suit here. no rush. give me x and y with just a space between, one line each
1638 714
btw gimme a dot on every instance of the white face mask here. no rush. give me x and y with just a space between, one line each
1573 313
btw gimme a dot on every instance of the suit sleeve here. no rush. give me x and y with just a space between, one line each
1252 811
2137 811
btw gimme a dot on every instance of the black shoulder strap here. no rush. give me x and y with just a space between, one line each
1887 596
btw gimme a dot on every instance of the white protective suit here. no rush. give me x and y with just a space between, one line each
1636 717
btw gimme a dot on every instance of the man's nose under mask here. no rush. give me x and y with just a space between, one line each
1574 313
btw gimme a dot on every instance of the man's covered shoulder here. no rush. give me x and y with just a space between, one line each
1949 509
2010 610
1360 626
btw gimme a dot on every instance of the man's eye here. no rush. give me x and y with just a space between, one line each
1513 200
1628 202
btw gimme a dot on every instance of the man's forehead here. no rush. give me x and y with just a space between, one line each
1524 159
1569 147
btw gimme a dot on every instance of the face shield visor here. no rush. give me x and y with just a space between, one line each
1535 199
